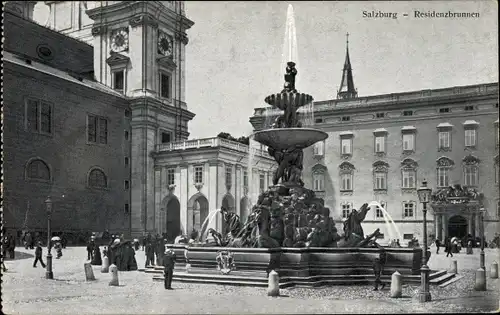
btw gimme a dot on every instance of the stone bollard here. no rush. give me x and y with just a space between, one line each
273 284
494 270
105 265
480 284
454 267
396 285
89 272
114 275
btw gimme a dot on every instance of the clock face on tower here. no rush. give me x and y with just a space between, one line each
165 44
119 40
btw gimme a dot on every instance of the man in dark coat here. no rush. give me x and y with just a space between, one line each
90 249
448 248
96 257
12 246
168 271
150 255
378 267
438 243
38 255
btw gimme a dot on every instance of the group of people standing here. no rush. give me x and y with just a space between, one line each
154 247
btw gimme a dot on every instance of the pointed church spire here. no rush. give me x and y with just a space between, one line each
347 89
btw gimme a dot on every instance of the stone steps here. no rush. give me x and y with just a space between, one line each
455 278
436 278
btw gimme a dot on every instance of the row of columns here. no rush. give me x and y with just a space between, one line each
441 224
214 189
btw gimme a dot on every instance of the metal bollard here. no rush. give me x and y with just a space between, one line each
273 284
114 275
480 284
396 285
89 272
494 270
105 265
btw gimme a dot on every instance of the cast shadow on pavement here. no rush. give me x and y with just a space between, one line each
19 256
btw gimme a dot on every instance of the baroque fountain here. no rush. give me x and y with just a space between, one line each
289 229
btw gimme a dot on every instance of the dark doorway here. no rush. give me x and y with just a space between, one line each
457 226
173 219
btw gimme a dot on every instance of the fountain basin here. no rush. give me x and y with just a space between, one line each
284 99
285 138
300 263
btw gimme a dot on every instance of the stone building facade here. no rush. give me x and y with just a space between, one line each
380 148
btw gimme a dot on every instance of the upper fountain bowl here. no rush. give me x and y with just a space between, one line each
286 138
282 100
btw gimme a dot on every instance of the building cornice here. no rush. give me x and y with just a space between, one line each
143 102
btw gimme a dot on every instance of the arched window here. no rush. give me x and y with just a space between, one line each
471 170
38 169
346 177
97 179
444 165
380 169
408 174
318 173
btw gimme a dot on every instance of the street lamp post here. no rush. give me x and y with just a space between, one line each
48 273
424 194
481 255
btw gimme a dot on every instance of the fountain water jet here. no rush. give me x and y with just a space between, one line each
388 219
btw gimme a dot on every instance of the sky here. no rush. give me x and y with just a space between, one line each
233 59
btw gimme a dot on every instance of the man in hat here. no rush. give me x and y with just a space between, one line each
168 264
38 255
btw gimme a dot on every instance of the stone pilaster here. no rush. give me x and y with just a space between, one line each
238 185
183 193
444 220
158 196
213 181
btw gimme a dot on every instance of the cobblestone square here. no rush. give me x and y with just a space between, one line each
26 291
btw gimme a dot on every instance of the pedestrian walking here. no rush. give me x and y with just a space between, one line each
90 249
150 254
448 248
38 255
378 267
438 243
168 264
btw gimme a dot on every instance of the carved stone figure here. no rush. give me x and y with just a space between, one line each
290 73
353 223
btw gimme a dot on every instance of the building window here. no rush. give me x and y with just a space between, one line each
378 211
469 108
165 85
470 137
126 208
170 176
126 135
346 145
119 81
97 179
346 118
39 170
262 183
380 144
444 140
198 174
380 180
38 116
166 137
346 209
245 179
443 176
380 115
409 142
318 120
444 110
127 185
318 181
470 175
346 176
408 113
408 208
408 179
318 149
408 236
97 129
126 160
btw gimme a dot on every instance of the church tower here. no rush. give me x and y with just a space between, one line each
139 50
347 90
